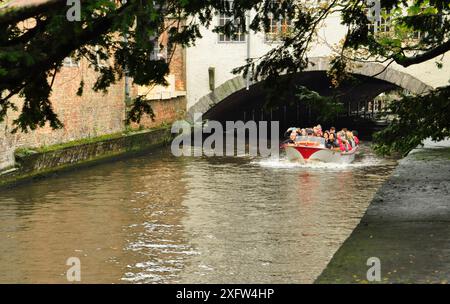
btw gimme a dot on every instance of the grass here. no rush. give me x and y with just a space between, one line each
29 151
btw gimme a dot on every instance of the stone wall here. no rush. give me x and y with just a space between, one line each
6 150
30 163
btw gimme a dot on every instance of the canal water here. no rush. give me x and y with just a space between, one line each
157 218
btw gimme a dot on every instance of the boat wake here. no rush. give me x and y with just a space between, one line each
284 163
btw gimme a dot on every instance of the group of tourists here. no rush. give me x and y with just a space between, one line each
344 140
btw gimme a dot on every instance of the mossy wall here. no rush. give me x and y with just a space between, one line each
33 163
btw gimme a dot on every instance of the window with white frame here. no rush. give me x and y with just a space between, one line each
417 34
239 36
158 52
99 61
383 24
278 28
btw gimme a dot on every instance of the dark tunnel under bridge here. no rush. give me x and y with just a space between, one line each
356 96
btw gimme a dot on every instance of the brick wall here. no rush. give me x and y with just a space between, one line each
89 115
168 103
93 114
177 58
166 111
178 68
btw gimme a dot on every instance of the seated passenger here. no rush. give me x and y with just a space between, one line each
319 130
349 136
289 131
333 140
343 143
303 132
328 143
292 138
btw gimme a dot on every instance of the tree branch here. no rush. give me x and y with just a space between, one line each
408 61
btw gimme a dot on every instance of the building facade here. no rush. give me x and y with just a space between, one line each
210 62
215 55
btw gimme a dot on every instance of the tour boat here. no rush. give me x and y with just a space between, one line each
313 149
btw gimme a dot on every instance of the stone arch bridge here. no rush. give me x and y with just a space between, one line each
231 95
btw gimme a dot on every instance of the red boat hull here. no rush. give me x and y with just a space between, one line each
307 153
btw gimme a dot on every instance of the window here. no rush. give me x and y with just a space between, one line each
236 37
382 25
279 27
385 22
99 61
416 35
158 53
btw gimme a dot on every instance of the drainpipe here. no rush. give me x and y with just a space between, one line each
248 48
125 69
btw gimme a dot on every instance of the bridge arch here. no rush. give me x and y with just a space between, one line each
317 64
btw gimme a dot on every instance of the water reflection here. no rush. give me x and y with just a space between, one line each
161 219
157 247
94 214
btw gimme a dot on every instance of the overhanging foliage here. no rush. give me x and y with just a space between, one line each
31 55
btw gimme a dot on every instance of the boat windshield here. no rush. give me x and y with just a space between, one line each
311 141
